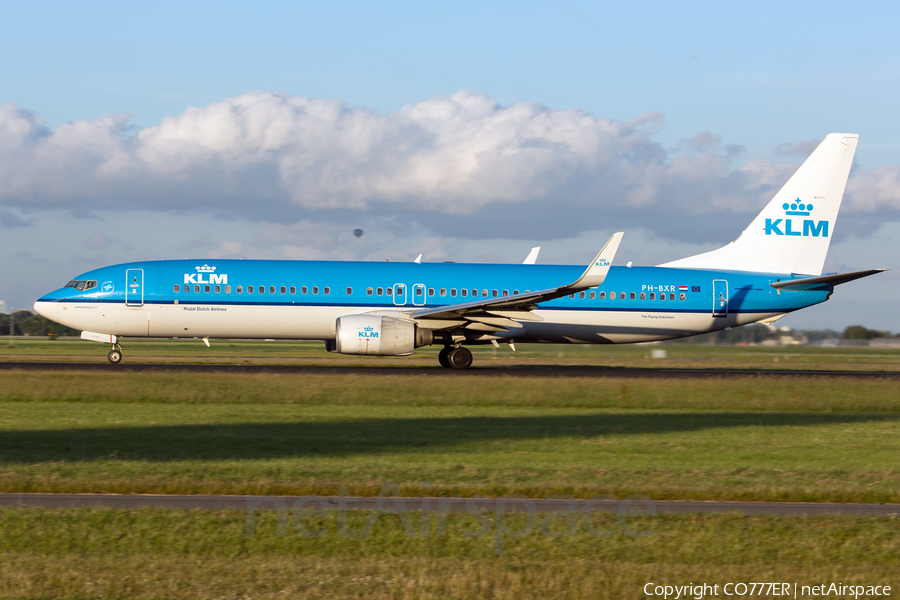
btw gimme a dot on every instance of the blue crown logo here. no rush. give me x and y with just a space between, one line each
205 269
367 329
797 207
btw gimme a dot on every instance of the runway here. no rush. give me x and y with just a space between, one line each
523 371
437 504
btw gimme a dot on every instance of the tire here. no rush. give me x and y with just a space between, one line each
460 358
114 356
442 357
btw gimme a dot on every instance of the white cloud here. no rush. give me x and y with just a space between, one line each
459 162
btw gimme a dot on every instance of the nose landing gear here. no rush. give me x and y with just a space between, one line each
455 358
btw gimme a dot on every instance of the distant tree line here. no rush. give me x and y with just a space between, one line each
26 322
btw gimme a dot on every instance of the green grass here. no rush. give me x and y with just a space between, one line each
736 439
177 554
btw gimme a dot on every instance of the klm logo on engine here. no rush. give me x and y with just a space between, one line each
368 332
794 227
205 270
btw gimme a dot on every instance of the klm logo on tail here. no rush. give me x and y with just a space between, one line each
787 226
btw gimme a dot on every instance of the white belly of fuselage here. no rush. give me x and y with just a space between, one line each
318 322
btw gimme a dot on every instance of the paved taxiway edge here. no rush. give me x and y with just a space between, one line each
452 504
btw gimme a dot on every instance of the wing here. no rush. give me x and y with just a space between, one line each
497 314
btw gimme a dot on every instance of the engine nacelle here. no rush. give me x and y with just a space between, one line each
377 335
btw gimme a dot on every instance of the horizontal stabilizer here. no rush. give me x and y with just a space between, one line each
824 280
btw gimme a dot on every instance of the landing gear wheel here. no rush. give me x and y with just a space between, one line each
114 356
460 358
442 357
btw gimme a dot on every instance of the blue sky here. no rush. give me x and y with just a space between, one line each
725 86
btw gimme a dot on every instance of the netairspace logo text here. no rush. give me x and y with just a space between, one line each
767 589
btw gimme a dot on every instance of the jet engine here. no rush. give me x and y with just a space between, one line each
377 335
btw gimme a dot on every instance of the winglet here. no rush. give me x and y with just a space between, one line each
532 256
596 272
418 259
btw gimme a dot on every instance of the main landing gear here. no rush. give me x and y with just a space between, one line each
455 357
115 355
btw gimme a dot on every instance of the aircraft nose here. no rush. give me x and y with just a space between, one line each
48 310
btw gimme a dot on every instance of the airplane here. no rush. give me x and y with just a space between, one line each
386 308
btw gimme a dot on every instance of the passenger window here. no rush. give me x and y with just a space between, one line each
283 290
631 296
515 292
431 291
643 296
603 295
218 289
177 288
349 291
593 295
327 290
485 294
206 289
293 290
652 296
672 297
196 289
227 289
369 291
494 293
187 289
662 296
379 291
418 291
581 295
240 289
506 292
262 289
443 292
612 295
315 290
571 296
453 292
464 292
389 291
272 289
303 289
681 297
621 295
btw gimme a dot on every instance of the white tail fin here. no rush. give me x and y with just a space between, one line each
793 231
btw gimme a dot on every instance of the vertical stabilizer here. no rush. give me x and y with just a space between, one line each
793 231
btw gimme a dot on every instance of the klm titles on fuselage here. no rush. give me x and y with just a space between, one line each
197 277
797 208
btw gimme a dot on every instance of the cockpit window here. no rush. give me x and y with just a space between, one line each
81 285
